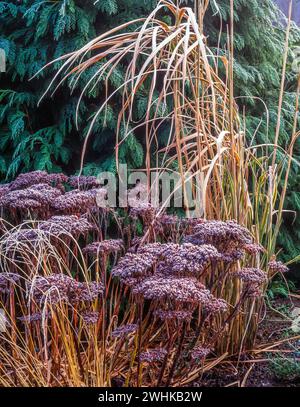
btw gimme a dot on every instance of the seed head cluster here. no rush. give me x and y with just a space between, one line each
124 330
28 179
105 247
200 353
90 317
35 197
178 290
229 238
44 195
277 267
83 182
67 225
153 355
186 259
58 288
173 315
133 267
7 279
252 275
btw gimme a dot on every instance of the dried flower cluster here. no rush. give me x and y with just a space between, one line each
59 288
7 279
173 315
35 197
252 275
229 238
132 267
26 180
177 290
90 317
52 230
105 247
200 353
153 355
76 202
277 267
186 259
124 330
67 225
44 195
83 182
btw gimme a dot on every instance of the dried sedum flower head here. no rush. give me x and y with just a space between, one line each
200 353
178 290
67 224
144 210
133 266
230 238
153 355
83 182
7 279
37 177
186 259
253 248
216 305
53 288
154 249
75 202
90 317
277 267
89 291
58 288
105 247
27 238
173 315
124 330
217 233
37 196
252 275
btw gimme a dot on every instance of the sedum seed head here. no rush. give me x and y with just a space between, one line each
153 355
67 224
200 353
83 182
177 290
277 267
104 247
173 315
252 275
124 330
58 288
37 177
132 267
90 317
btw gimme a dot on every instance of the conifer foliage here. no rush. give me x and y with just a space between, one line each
45 137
